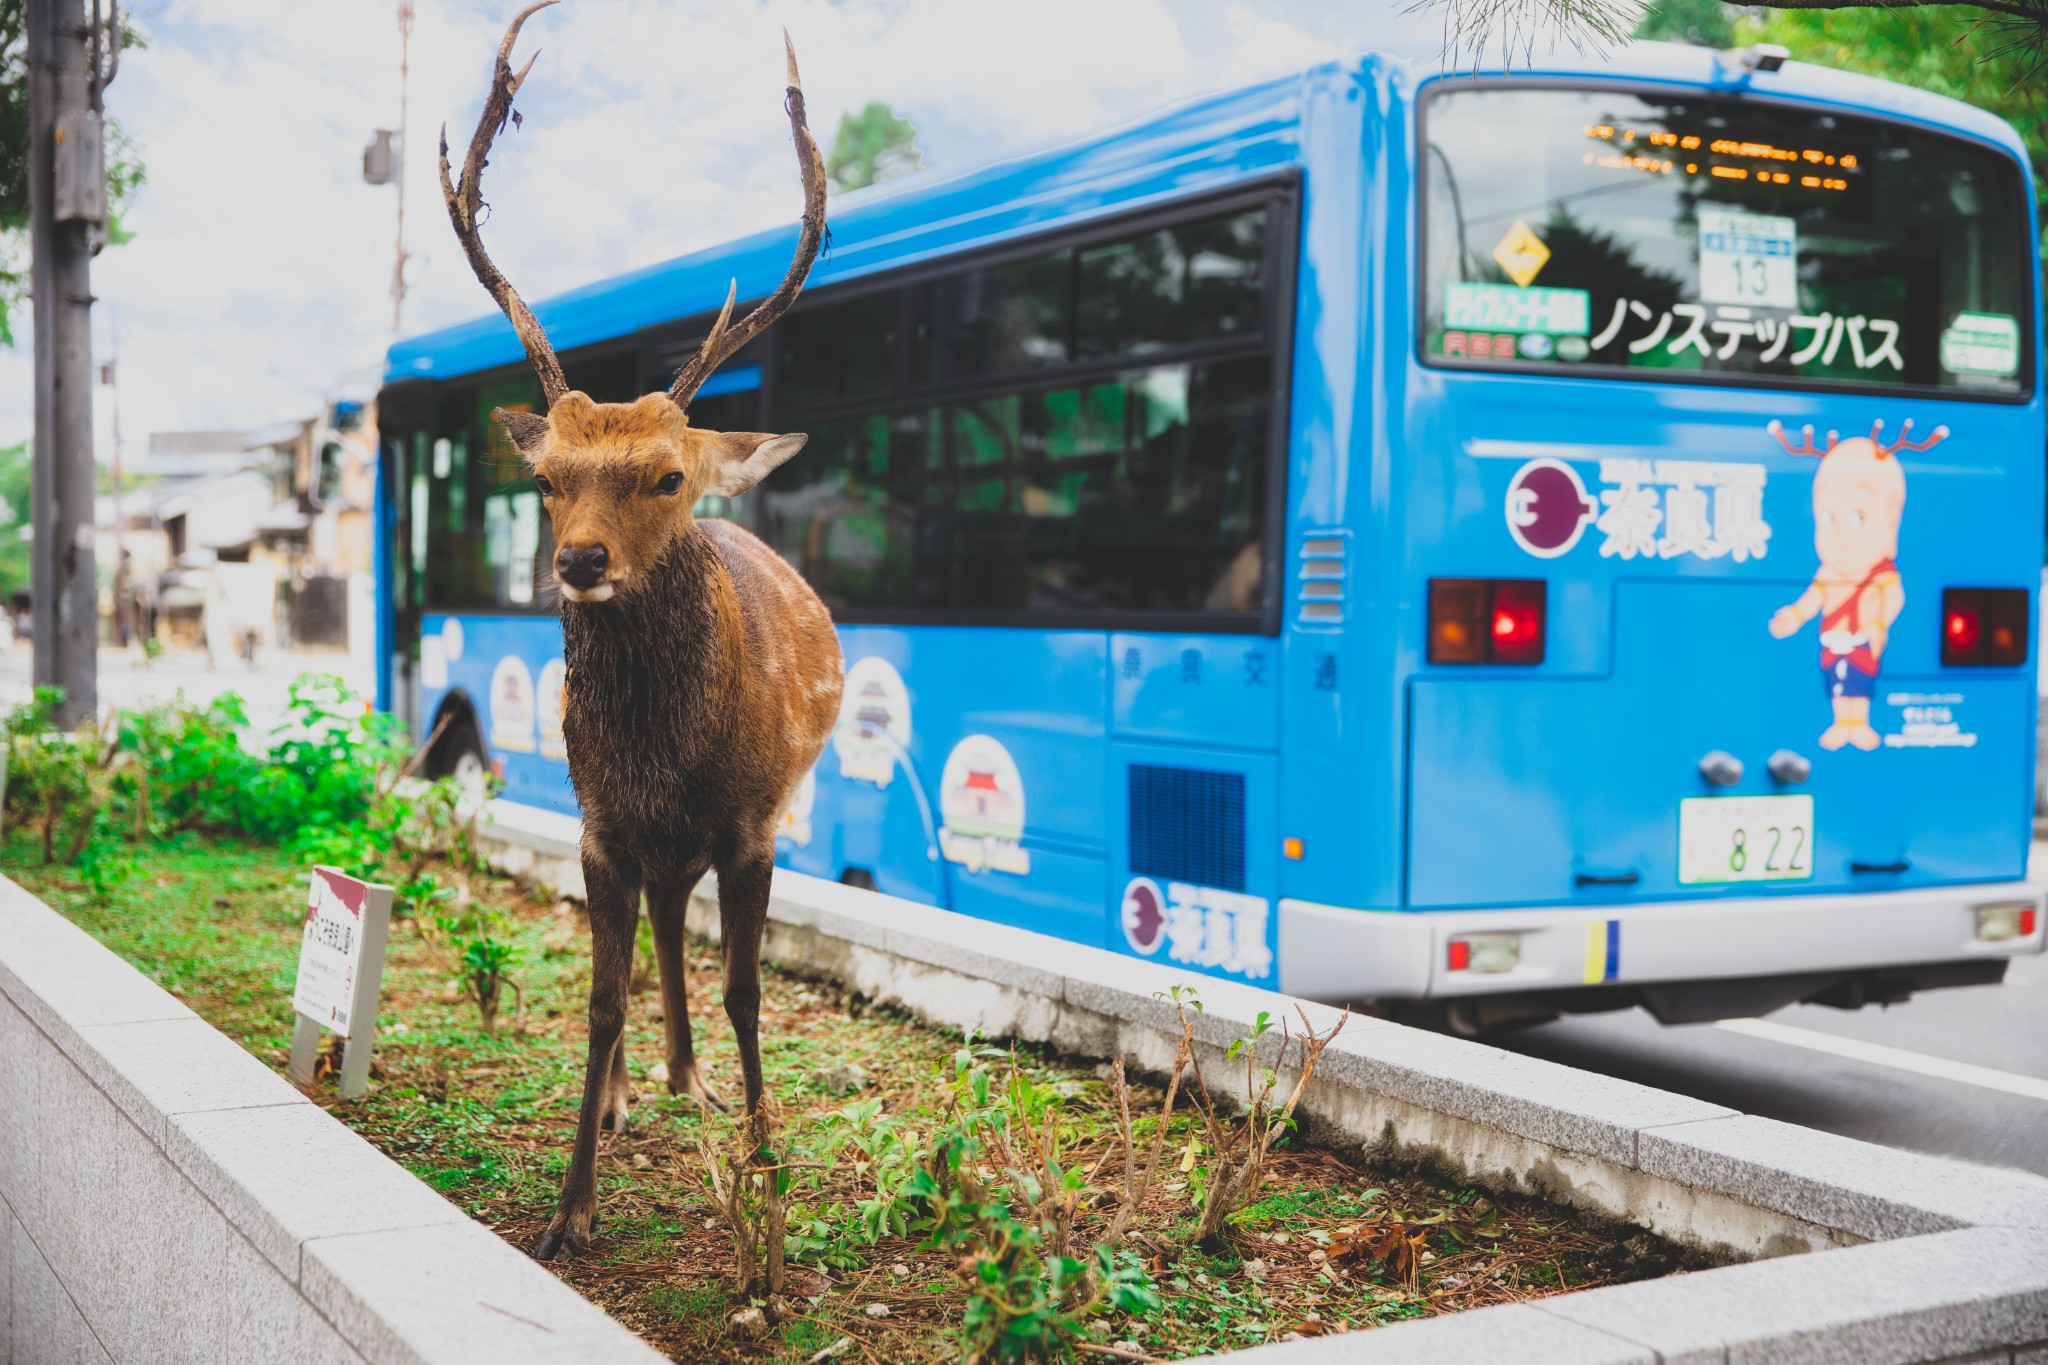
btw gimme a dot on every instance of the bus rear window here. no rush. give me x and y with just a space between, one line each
1609 232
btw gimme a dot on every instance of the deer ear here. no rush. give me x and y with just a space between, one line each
742 459
527 430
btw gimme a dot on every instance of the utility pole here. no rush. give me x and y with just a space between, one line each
68 212
404 71
110 376
384 161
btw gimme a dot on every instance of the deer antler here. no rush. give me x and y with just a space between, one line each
724 340
1806 446
465 201
1905 441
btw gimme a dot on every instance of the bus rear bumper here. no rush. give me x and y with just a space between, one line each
1331 953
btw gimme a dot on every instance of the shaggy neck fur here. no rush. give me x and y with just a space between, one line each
656 679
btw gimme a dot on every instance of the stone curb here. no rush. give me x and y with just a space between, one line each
168 1197
1908 1257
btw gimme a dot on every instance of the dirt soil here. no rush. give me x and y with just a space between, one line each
489 1120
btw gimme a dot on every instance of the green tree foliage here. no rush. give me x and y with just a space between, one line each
1949 52
1703 23
124 164
871 146
14 513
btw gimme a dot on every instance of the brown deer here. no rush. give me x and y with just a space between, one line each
703 673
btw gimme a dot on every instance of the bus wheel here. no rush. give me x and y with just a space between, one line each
858 877
459 753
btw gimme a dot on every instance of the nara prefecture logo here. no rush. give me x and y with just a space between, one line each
1144 915
1547 508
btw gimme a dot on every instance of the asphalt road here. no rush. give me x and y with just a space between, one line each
1986 1047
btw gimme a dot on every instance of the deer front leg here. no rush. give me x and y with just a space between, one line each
742 916
666 906
614 912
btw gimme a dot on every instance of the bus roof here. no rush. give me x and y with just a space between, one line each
1204 144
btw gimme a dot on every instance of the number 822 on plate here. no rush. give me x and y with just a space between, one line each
1744 839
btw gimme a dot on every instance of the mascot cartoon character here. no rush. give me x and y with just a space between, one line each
1859 495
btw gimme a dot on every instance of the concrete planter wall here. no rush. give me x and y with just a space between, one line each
165 1197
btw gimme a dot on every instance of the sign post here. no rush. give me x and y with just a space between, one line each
341 972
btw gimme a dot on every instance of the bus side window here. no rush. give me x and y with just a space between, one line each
1138 484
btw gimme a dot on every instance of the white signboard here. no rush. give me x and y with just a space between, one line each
331 948
341 967
1748 258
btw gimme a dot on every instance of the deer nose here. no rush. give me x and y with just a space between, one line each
581 566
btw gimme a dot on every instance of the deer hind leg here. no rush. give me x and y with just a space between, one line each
742 916
666 906
614 914
616 1111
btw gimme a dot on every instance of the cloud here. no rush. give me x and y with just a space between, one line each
261 268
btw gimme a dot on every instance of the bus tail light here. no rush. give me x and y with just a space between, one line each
1486 620
1983 627
1486 953
1998 923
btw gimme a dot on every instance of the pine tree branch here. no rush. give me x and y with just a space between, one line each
2036 14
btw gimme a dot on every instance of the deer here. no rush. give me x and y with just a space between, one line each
703 674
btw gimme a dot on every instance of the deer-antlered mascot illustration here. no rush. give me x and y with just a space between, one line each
703 673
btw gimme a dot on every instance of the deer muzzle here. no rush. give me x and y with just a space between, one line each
581 571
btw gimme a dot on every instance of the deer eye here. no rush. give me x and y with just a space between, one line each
670 484
540 481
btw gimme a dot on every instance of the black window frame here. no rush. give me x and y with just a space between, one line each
1280 195
1419 248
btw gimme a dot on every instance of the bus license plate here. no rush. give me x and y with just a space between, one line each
1744 839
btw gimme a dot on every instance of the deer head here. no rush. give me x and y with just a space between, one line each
619 479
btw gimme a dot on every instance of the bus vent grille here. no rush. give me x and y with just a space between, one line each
1187 825
1320 578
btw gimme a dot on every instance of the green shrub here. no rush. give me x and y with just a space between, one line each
323 784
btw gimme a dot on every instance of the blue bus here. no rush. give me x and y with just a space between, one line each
1486 545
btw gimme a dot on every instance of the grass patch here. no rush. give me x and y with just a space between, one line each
489 1120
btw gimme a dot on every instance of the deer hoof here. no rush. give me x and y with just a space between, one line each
686 1080
565 1239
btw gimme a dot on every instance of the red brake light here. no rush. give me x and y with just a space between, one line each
1959 636
1984 627
1458 956
2027 922
1518 621
1486 620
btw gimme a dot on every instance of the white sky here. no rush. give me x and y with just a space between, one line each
259 274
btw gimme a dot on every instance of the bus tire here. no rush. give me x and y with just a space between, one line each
460 752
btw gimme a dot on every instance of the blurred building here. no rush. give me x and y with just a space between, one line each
235 541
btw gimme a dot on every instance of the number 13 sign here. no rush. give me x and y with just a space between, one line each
341 969
1748 258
